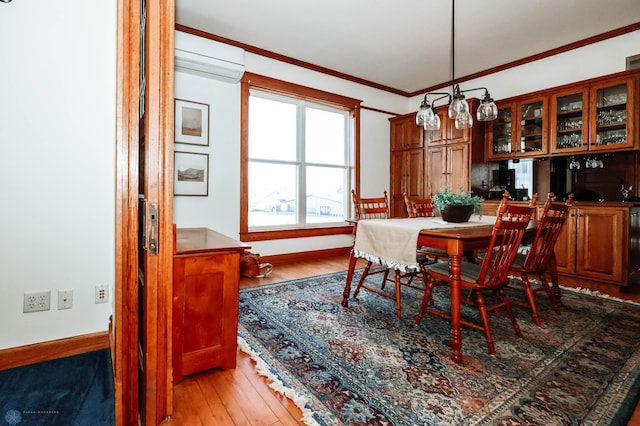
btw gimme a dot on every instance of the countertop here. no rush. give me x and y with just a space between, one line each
205 240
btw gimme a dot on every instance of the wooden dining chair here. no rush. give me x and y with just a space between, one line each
540 257
490 276
376 208
370 208
421 207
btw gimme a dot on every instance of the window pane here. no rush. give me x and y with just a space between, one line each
325 136
325 194
272 129
272 194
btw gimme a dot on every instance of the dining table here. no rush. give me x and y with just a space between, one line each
392 243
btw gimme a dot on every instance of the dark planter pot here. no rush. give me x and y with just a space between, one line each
456 213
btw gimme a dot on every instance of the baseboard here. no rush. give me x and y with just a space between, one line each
45 351
305 255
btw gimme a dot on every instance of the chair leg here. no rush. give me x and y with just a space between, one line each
484 316
547 286
553 270
365 272
425 298
425 280
398 304
509 309
530 296
385 277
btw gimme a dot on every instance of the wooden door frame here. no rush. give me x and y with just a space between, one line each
158 128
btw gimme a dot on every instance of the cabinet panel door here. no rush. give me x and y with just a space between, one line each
407 175
533 127
398 172
600 249
205 312
500 136
613 117
458 166
436 169
415 173
570 121
565 248
405 133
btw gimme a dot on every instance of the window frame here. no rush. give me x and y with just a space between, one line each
280 87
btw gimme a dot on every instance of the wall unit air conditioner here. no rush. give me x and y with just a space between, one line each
208 58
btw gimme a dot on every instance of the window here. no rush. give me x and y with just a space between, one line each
297 159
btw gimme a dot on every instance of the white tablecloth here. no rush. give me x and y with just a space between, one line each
393 242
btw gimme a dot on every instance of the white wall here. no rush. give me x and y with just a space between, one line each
221 210
594 60
57 167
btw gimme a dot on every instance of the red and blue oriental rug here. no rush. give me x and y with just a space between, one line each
363 366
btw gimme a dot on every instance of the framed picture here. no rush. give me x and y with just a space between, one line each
191 122
191 173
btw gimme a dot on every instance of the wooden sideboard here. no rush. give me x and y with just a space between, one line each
206 275
599 242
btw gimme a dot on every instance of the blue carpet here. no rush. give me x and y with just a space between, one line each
76 390
363 366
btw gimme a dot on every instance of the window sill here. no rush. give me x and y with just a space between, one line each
295 233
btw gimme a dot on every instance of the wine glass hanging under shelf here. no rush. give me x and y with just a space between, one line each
588 162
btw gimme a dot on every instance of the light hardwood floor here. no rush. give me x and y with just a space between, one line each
242 397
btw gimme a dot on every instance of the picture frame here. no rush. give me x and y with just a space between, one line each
191 122
191 173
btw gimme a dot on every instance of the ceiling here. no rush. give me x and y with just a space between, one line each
405 45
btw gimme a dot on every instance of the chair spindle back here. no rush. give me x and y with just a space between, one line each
508 230
419 207
554 216
370 208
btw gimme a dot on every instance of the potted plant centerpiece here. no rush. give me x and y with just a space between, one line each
457 207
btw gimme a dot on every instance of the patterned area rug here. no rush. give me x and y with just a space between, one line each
363 366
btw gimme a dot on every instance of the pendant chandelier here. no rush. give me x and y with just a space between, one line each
458 106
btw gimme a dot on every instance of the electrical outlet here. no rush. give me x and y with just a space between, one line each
36 301
65 299
102 293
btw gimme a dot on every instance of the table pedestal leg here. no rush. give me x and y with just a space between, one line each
347 285
454 291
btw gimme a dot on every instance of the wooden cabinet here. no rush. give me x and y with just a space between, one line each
206 274
405 133
407 162
521 129
407 175
612 115
594 118
601 242
450 153
570 121
448 166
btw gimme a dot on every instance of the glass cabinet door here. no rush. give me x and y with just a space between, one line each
611 116
533 134
500 135
570 121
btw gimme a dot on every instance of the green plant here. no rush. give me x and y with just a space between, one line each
445 197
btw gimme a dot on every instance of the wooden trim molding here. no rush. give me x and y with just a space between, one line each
53 349
295 233
352 105
306 255
125 315
278 57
